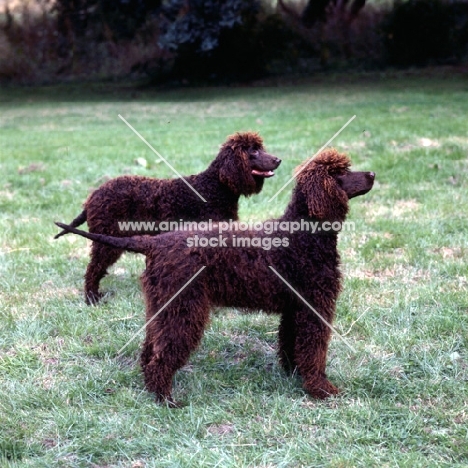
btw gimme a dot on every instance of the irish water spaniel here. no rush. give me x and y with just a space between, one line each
239 169
242 277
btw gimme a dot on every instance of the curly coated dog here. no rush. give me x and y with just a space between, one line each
243 277
239 169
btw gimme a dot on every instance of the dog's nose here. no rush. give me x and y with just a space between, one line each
277 161
372 175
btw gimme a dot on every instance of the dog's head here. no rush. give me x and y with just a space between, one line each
326 183
244 164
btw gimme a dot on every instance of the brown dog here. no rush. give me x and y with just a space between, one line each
242 277
239 169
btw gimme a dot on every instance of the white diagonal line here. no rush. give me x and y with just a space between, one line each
318 152
329 325
161 309
356 321
165 160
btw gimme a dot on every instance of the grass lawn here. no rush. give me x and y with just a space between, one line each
66 400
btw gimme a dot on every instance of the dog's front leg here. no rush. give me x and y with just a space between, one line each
286 342
311 346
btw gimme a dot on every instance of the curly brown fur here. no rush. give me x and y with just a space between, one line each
239 169
241 277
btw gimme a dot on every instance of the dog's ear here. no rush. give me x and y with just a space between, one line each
235 170
325 199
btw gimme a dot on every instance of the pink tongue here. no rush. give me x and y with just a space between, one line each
263 173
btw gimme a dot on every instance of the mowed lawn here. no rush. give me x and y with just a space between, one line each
68 400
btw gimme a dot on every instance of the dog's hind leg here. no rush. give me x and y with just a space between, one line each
170 339
102 257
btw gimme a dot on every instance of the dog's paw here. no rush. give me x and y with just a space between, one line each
289 368
92 298
321 389
169 402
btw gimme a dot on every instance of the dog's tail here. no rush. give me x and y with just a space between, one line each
78 221
138 244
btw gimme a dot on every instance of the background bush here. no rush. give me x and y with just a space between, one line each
419 32
211 38
186 40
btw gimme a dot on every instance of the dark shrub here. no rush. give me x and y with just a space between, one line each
209 37
226 40
102 20
419 32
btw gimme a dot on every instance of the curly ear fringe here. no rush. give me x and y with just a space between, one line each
235 170
325 199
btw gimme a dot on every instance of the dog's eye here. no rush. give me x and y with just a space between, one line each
253 154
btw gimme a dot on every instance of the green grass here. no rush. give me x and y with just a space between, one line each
66 400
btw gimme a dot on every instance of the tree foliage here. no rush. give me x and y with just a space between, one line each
418 32
109 19
318 10
212 38
200 23
225 40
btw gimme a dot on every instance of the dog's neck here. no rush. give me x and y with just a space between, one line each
208 181
302 216
221 202
297 210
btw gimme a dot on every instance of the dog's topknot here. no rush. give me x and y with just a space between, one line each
334 160
244 139
330 158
